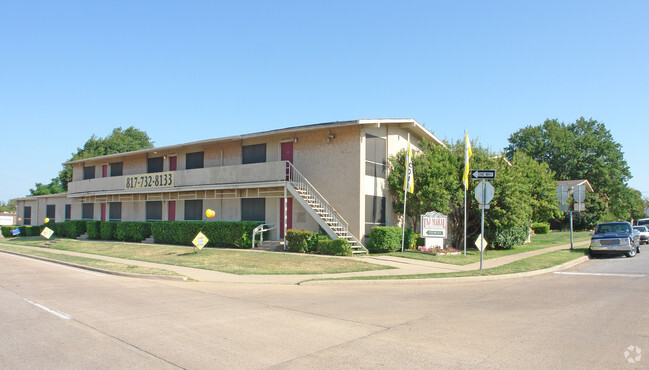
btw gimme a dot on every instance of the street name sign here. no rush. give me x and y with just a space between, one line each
483 174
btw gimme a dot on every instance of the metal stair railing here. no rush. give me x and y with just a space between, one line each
260 230
337 222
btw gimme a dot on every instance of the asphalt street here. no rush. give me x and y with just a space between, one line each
591 316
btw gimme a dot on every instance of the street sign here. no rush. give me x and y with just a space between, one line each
564 207
488 192
481 243
200 240
483 174
579 193
580 207
562 193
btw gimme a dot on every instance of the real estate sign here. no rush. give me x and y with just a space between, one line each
434 225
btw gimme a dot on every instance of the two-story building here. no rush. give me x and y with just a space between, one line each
329 176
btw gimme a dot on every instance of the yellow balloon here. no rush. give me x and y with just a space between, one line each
47 219
210 213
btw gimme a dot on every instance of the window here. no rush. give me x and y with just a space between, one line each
193 210
374 212
87 211
115 211
154 210
50 211
253 209
194 160
375 156
88 172
27 215
253 153
116 169
154 165
68 212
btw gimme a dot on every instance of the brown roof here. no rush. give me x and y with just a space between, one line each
572 183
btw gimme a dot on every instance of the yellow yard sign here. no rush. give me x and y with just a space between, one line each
200 240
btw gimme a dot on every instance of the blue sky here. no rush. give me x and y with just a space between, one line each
191 70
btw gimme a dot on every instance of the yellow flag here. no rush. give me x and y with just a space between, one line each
467 155
409 182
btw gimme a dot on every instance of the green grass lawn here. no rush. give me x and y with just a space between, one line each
90 262
473 255
225 260
538 262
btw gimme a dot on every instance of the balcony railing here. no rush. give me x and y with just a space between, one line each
226 175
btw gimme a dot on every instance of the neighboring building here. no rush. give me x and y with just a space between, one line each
330 176
7 218
572 183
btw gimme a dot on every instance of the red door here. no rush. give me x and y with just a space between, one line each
104 170
103 211
172 211
173 160
287 155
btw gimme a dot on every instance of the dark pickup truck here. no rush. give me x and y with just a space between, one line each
614 238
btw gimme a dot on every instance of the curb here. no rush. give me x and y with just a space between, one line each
95 269
463 279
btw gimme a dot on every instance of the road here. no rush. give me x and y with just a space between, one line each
59 317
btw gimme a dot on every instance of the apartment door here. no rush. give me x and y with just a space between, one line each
173 161
287 155
104 170
171 212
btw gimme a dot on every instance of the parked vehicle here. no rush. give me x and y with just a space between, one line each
644 234
615 238
642 222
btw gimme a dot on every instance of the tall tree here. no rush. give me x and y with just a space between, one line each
119 141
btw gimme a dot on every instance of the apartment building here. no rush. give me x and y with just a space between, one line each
329 176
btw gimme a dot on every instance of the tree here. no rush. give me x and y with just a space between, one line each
9 206
581 150
119 141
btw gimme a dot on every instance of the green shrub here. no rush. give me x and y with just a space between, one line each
336 247
302 241
508 238
541 227
93 228
132 231
70 229
108 230
385 239
221 234
6 230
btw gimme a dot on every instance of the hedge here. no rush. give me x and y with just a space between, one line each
108 230
541 227
221 234
508 238
302 241
132 231
69 229
93 228
385 239
336 247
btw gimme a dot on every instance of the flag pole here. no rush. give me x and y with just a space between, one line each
405 196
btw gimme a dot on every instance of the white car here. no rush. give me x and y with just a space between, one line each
644 234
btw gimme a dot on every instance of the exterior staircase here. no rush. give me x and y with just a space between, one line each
327 217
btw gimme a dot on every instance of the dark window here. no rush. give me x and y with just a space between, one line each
68 212
88 172
116 169
253 209
154 165
50 211
374 212
253 153
87 211
375 156
193 210
154 210
27 215
115 211
194 160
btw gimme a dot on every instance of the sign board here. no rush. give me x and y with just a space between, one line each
562 193
564 207
483 174
488 192
434 225
150 180
47 232
580 207
200 240
481 243
579 193
15 232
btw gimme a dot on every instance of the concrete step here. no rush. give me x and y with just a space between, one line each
83 236
270 245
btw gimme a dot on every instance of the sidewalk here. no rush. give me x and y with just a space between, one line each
403 266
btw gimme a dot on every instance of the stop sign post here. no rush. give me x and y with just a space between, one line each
484 193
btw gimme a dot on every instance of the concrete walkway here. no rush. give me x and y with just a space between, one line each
403 266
